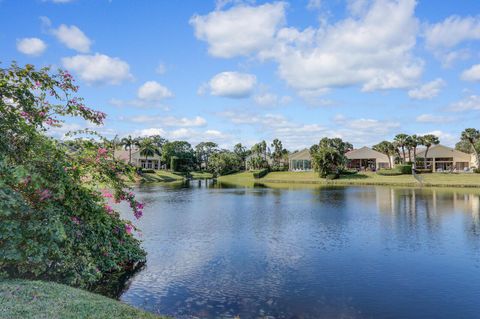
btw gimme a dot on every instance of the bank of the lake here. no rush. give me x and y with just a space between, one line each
164 176
364 178
37 299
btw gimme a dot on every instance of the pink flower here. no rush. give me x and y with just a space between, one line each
138 214
109 209
75 220
107 194
140 205
128 228
44 194
102 152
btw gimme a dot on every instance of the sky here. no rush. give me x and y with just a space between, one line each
234 71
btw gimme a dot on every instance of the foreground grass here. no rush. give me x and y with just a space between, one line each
367 178
37 299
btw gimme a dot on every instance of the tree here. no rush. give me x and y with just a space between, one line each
414 142
204 150
224 162
148 148
472 136
387 148
278 153
401 141
259 156
242 153
55 222
329 155
181 149
427 141
128 143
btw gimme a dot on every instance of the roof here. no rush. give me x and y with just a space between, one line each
301 155
366 153
445 151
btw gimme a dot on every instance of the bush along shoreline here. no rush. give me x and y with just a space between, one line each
56 224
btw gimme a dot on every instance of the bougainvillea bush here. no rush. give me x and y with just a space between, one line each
56 219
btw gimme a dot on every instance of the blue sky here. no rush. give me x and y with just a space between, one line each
244 71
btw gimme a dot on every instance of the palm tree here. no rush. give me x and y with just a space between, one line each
471 136
427 141
387 148
148 147
415 140
401 140
128 143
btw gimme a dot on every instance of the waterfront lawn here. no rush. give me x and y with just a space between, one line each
161 177
364 178
201 175
38 299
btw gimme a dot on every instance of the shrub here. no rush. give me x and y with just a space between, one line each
55 223
332 176
404 169
476 170
174 163
261 173
389 172
423 170
148 170
348 172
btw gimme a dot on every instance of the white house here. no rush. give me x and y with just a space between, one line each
442 158
367 159
149 162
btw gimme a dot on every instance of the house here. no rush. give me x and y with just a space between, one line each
442 158
367 159
300 161
149 162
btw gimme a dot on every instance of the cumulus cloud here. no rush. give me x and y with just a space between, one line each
170 120
98 68
31 46
471 74
428 90
444 137
469 103
241 30
153 91
73 38
431 118
232 84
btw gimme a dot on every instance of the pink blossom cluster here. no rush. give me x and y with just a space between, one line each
128 228
75 220
44 194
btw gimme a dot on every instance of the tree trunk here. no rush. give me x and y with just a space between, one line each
414 157
130 155
403 152
475 152
390 161
425 159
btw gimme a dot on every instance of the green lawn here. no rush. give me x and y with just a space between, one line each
161 177
368 178
44 300
201 175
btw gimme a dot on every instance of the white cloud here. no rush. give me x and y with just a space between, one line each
428 90
452 31
431 118
472 74
73 38
170 120
241 30
31 46
270 99
98 68
444 137
232 84
471 102
373 50
149 132
153 91
314 4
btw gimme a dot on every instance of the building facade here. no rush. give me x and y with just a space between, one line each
442 158
367 159
300 161
149 162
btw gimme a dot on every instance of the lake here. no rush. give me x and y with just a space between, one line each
317 252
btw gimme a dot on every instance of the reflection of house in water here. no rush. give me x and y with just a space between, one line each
429 200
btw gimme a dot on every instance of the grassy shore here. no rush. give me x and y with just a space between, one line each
37 299
162 176
368 178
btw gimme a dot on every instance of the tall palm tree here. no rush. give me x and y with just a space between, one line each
387 148
401 140
415 140
427 141
472 136
148 147
128 143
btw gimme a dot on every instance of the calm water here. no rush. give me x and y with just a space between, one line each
343 252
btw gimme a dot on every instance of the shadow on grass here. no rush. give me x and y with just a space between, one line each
353 176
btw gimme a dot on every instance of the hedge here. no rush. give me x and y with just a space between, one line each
389 172
404 169
261 173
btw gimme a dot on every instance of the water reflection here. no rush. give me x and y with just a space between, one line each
217 251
